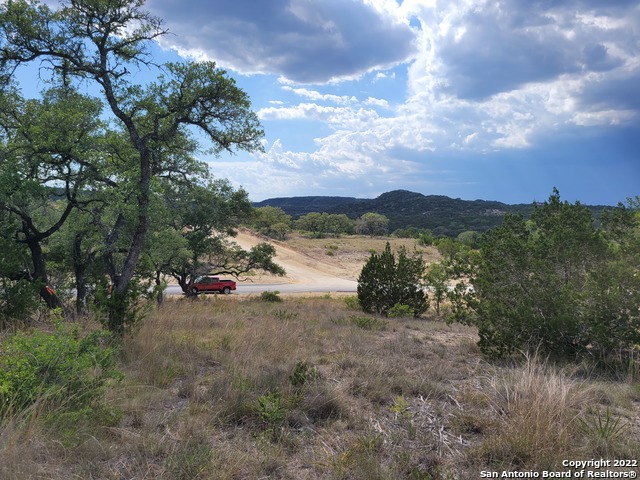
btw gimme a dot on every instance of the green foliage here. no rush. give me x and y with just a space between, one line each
112 165
603 426
302 374
272 222
383 283
270 296
400 310
400 408
331 249
559 285
120 313
470 238
372 224
60 366
436 279
17 302
271 410
352 302
72 427
322 224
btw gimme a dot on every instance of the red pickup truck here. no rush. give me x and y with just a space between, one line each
207 284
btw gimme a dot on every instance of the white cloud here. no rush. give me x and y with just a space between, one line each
317 96
376 102
307 42
481 76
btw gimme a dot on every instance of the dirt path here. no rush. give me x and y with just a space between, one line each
301 268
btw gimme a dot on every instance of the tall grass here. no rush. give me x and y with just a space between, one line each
231 387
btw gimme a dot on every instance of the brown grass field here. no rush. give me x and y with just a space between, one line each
239 388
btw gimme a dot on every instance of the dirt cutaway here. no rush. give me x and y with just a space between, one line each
300 268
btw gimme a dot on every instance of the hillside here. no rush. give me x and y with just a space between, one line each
297 206
440 214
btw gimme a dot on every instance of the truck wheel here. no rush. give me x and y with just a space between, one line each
194 290
226 290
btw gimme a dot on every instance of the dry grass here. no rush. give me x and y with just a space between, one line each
233 388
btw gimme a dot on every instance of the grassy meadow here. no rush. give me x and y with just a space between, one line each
226 387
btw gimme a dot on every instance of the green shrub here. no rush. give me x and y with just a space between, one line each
17 301
352 302
302 374
558 285
400 310
271 410
269 296
61 366
385 282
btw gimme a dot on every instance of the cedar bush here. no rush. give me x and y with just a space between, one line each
560 285
384 283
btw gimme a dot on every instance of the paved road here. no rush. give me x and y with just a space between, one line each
339 285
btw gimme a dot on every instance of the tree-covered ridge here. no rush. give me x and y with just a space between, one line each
440 214
298 206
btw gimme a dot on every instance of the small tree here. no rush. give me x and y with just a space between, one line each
372 224
321 224
437 278
384 283
272 222
558 285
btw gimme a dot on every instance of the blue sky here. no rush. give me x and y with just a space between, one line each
491 99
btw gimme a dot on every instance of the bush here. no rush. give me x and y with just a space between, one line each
400 310
559 285
269 296
302 374
383 283
60 366
18 301
352 302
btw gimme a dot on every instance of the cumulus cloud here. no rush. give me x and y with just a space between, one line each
468 76
489 47
317 96
304 41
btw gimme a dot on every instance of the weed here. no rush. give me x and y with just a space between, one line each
400 310
284 315
605 432
271 410
369 323
352 302
331 249
224 343
302 374
270 296
537 407
60 365
400 408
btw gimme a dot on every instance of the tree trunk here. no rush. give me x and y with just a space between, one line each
40 274
80 267
160 292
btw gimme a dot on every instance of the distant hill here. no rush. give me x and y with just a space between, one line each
440 214
298 206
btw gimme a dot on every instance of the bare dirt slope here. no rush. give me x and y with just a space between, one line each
301 268
327 262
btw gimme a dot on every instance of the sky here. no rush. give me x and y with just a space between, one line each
474 99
